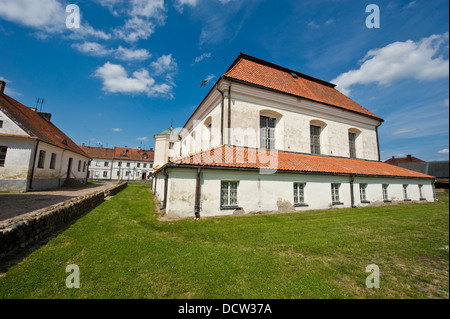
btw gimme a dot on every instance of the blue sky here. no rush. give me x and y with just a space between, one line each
134 66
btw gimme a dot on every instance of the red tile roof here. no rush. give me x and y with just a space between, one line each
407 159
240 157
133 154
98 152
116 153
35 125
254 71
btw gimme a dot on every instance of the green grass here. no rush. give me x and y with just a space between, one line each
123 251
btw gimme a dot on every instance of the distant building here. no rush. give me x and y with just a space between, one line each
34 153
119 163
401 160
439 169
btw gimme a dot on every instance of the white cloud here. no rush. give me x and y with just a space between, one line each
131 55
444 151
313 25
87 31
46 15
210 77
116 80
404 131
399 60
445 102
164 64
96 49
411 4
117 129
143 138
200 58
9 90
135 29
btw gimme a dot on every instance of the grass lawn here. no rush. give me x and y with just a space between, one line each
123 251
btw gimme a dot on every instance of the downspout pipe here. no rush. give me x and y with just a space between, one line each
197 194
434 190
166 182
34 164
229 114
352 195
378 141
221 113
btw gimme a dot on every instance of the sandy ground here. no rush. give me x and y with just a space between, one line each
15 204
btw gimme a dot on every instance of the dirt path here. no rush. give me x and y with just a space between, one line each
16 204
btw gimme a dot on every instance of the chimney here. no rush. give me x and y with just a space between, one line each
2 87
83 144
46 116
409 157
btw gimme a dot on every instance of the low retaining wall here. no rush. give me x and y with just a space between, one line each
24 230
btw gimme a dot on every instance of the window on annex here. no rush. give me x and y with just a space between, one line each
315 138
53 161
41 159
267 132
79 165
335 193
363 193
1 124
385 192
3 150
299 194
84 167
228 194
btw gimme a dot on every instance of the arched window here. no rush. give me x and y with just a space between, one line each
315 129
353 134
268 124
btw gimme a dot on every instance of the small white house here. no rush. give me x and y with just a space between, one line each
270 139
119 163
34 153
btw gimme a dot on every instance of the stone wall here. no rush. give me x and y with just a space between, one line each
25 230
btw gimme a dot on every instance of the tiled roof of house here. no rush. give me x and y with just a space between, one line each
98 152
249 158
133 154
261 73
407 159
35 125
118 153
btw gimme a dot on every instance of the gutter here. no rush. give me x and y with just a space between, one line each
34 164
166 181
221 112
378 141
197 194
352 195
229 114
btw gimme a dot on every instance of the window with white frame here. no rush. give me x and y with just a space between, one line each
267 132
228 194
363 192
299 193
335 193
385 192
315 139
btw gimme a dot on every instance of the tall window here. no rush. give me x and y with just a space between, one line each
41 159
405 192
352 144
385 192
3 150
1 124
315 139
79 165
267 132
53 161
362 192
228 194
335 193
84 167
106 164
171 144
299 193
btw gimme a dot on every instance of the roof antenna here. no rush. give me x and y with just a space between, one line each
42 102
